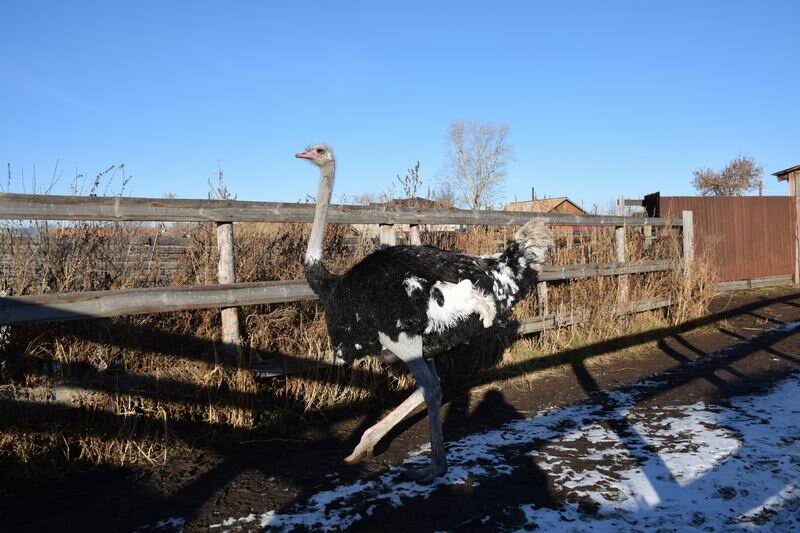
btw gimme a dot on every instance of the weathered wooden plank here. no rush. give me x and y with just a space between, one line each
48 207
760 283
647 231
619 245
755 283
388 237
779 279
98 304
282 366
225 275
640 306
414 235
589 270
738 285
536 324
542 300
688 239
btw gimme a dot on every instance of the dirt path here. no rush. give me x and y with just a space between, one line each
700 432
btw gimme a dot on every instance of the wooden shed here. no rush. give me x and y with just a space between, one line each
561 204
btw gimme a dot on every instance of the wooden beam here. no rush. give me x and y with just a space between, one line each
282 366
49 207
101 304
541 298
414 236
591 270
387 235
619 245
640 306
647 232
226 275
755 283
688 240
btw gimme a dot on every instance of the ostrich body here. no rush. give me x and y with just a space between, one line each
415 302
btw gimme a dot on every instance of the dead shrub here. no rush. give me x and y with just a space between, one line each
160 385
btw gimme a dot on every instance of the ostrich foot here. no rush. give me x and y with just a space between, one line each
425 475
360 453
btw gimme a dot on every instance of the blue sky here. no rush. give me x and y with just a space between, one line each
601 98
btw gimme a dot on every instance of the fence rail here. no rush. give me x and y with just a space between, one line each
101 304
82 305
755 283
48 207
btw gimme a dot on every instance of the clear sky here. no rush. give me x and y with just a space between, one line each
602 98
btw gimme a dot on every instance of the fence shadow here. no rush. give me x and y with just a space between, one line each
274 457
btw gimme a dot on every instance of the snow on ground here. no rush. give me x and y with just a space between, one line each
716 468
613 464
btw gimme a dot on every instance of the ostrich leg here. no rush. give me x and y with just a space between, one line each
428 382
409 350
374 434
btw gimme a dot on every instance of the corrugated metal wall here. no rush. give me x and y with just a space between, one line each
749 236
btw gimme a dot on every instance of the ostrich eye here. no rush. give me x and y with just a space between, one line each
320 150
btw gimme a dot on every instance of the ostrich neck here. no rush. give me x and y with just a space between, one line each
314 250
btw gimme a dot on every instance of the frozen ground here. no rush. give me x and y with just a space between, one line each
611 463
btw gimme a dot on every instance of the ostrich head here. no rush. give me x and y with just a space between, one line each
319 154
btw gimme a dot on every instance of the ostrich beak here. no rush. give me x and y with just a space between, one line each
306 155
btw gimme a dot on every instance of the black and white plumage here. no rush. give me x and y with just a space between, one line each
441 296
417 301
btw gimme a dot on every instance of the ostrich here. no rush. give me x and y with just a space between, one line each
414 302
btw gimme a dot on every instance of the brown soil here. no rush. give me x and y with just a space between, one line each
253 473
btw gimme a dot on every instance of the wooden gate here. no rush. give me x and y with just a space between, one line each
747 237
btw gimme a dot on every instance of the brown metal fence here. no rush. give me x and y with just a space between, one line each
748 237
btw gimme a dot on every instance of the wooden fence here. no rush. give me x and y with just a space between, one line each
159 256
227 294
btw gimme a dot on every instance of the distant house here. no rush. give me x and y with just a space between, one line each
561 205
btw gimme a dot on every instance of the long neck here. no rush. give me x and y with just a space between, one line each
314 249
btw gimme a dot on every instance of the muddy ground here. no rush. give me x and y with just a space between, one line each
523 480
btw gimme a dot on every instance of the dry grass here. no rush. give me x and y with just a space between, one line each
159 384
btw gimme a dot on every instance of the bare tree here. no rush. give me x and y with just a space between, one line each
477 157
738 177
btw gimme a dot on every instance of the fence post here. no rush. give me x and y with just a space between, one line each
541 298
415 238
688 240
226 274
619 241
387 234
